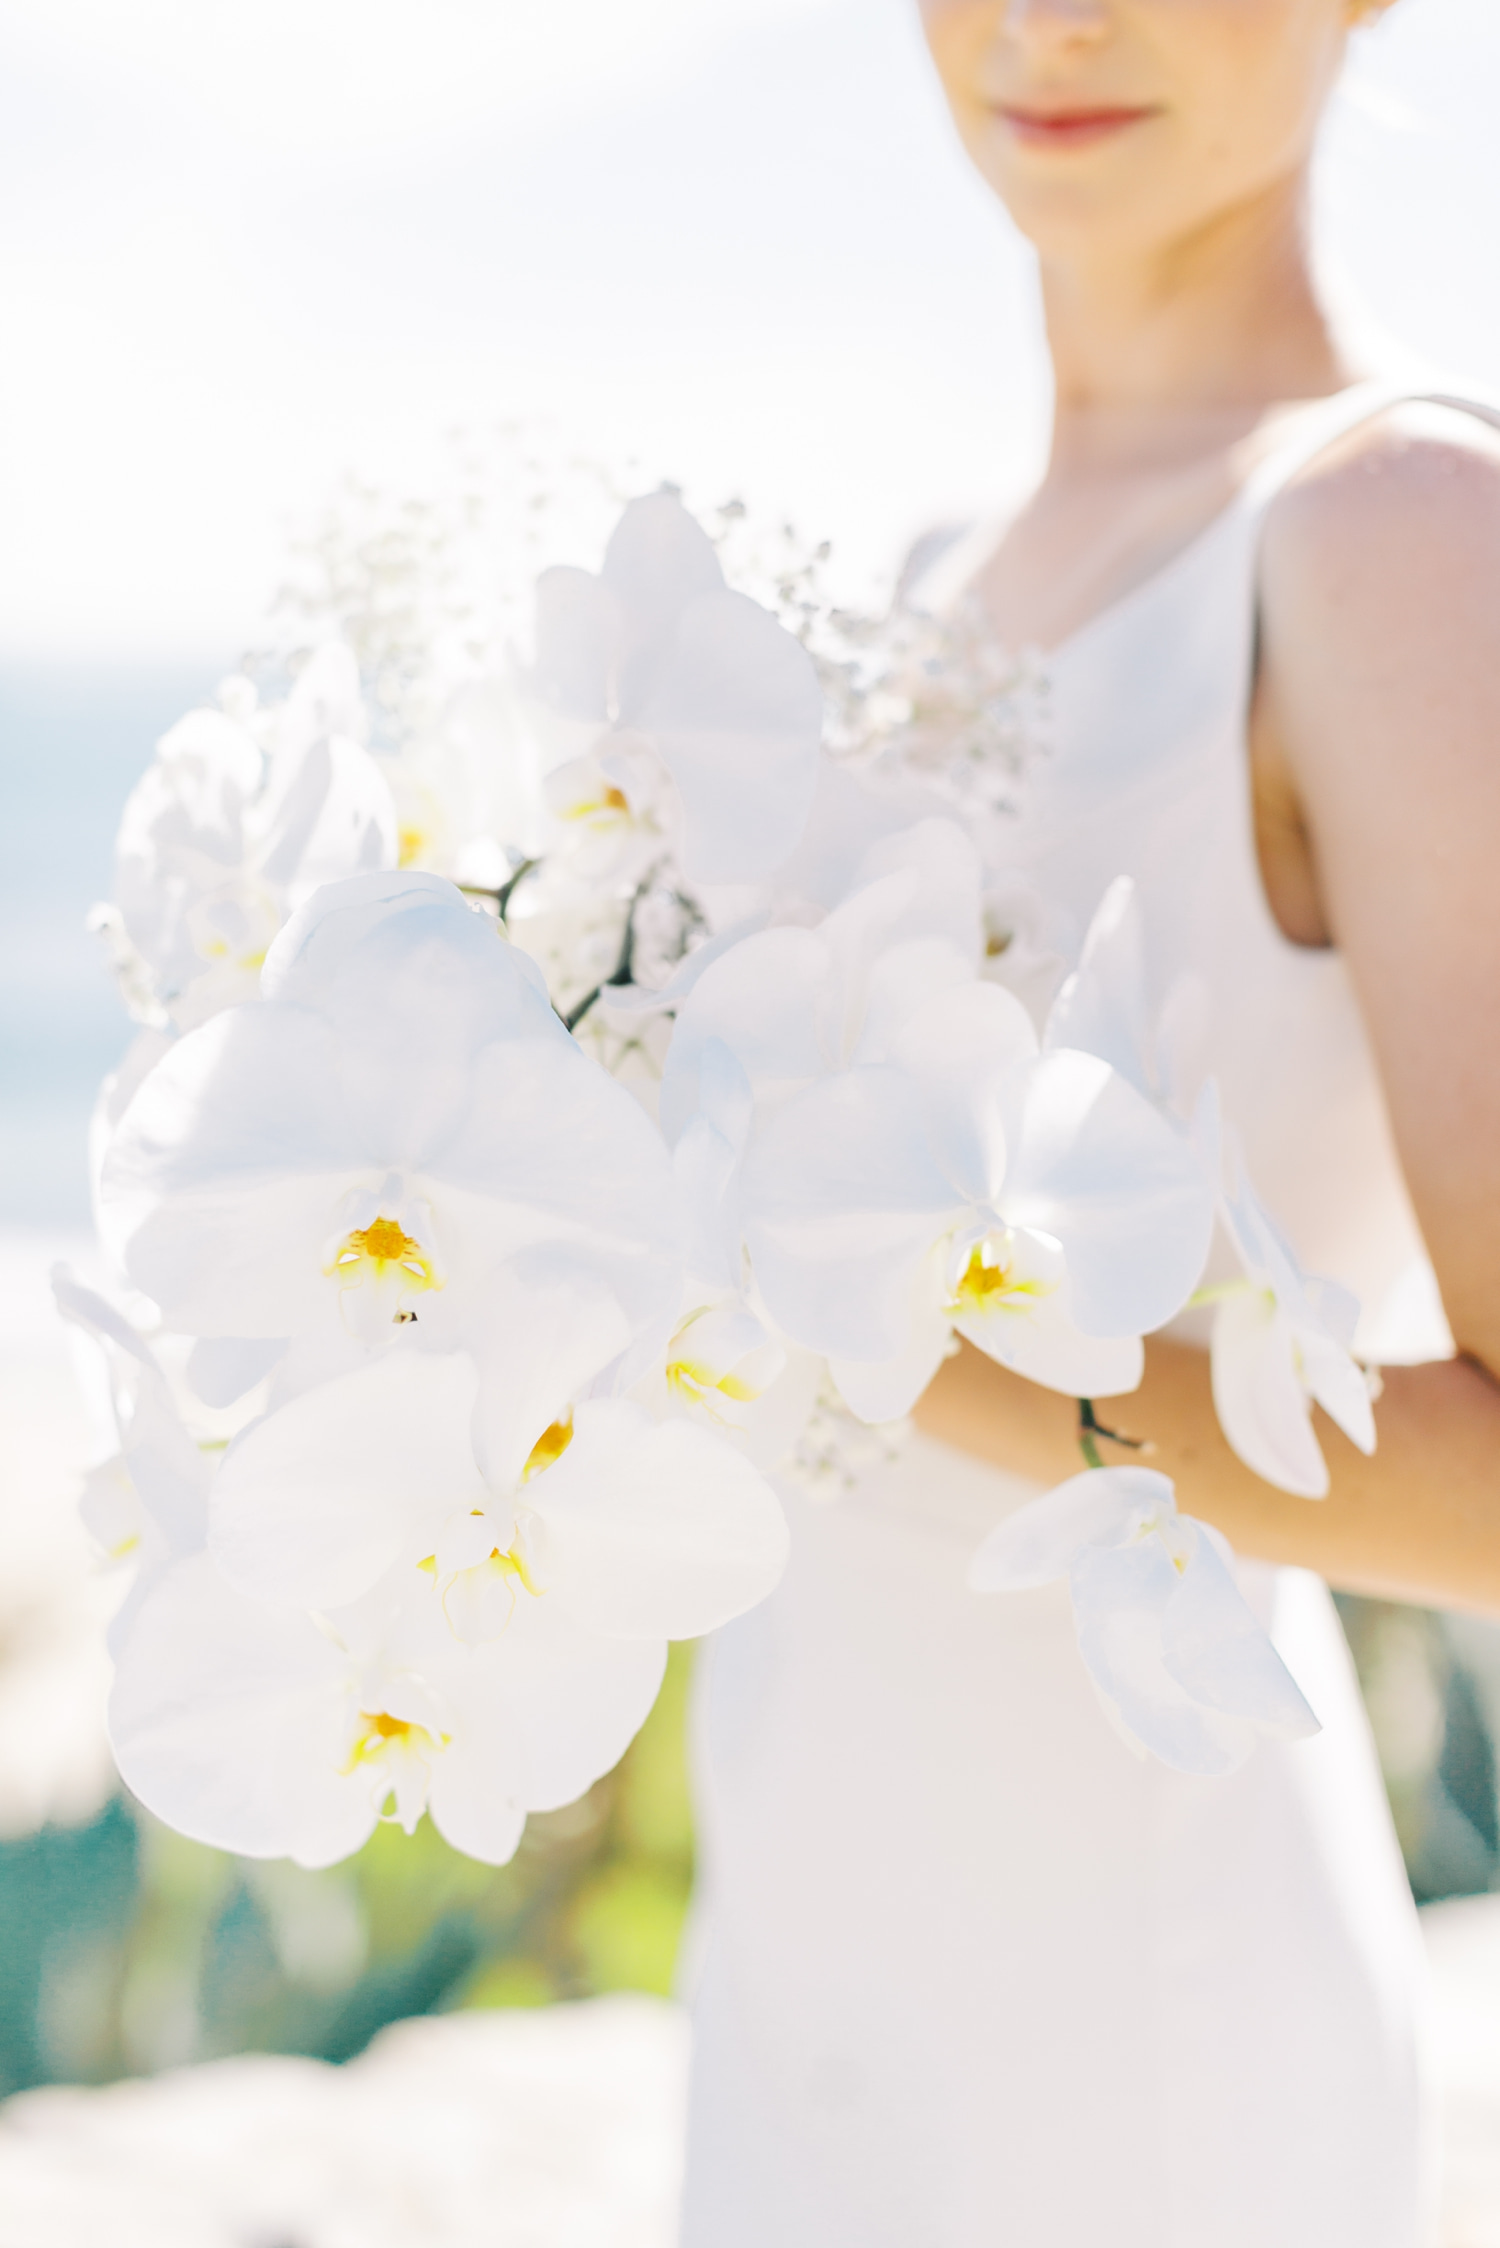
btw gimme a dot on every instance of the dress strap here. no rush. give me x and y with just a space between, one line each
944 564
1314 428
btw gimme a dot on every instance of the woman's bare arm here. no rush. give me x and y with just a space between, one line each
1419 1521
1379 709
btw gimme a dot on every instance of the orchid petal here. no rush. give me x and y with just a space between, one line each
326 698
329 814
653 1529
704 1166
1096 1166
966 1050
551 1323
1262 1406
843 1202
736 711
1041 1541
1216 1648
195 1199
228 1720
401 964
903 984
1042 1343
222 1369
760 1003
544 1712
632 999
944 901
167 1470
1101 1009
1335 1382
1120 1599
317 1500
658 561
467 1807
230 1173
887 1391
578 630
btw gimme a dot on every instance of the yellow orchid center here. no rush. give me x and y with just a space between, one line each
989 1282
384 1252
694 1381
219 948
380 1727
509 1562
400 1753
599 809
1167 1527
411 844
514 1567
548 1448
380 1735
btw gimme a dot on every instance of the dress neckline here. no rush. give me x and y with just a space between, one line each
1340 408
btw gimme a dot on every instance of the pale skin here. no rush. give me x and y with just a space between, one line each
1182 320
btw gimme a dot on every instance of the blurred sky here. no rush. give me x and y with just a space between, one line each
243 247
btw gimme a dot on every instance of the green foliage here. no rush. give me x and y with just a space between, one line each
1431 1684
124 1948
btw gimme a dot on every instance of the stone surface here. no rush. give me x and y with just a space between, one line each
551 2129
1463 1944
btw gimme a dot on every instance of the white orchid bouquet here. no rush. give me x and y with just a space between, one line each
548 1133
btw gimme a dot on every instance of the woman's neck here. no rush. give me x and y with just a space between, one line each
1153 352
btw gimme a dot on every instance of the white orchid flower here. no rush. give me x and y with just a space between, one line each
242 815
615 813
264 1730
147 1504
503 1483
1281 1345
706 1164
1106 1008
1029 943
793 1005
1034 1203
1280 1341
725 1367
326 811
365 1146
657 646
181 839
723 1362
468 791
1177 1657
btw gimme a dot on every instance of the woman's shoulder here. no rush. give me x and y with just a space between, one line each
1380 594
1406 503
1378 709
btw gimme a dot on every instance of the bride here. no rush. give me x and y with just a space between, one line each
972 1975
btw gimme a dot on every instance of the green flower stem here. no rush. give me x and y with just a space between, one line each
507 890
1091 1428
623 968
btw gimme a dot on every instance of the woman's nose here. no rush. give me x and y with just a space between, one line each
1049 25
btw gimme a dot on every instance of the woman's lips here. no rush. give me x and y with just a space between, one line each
1069 128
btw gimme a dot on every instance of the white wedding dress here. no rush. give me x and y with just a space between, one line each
972 1975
